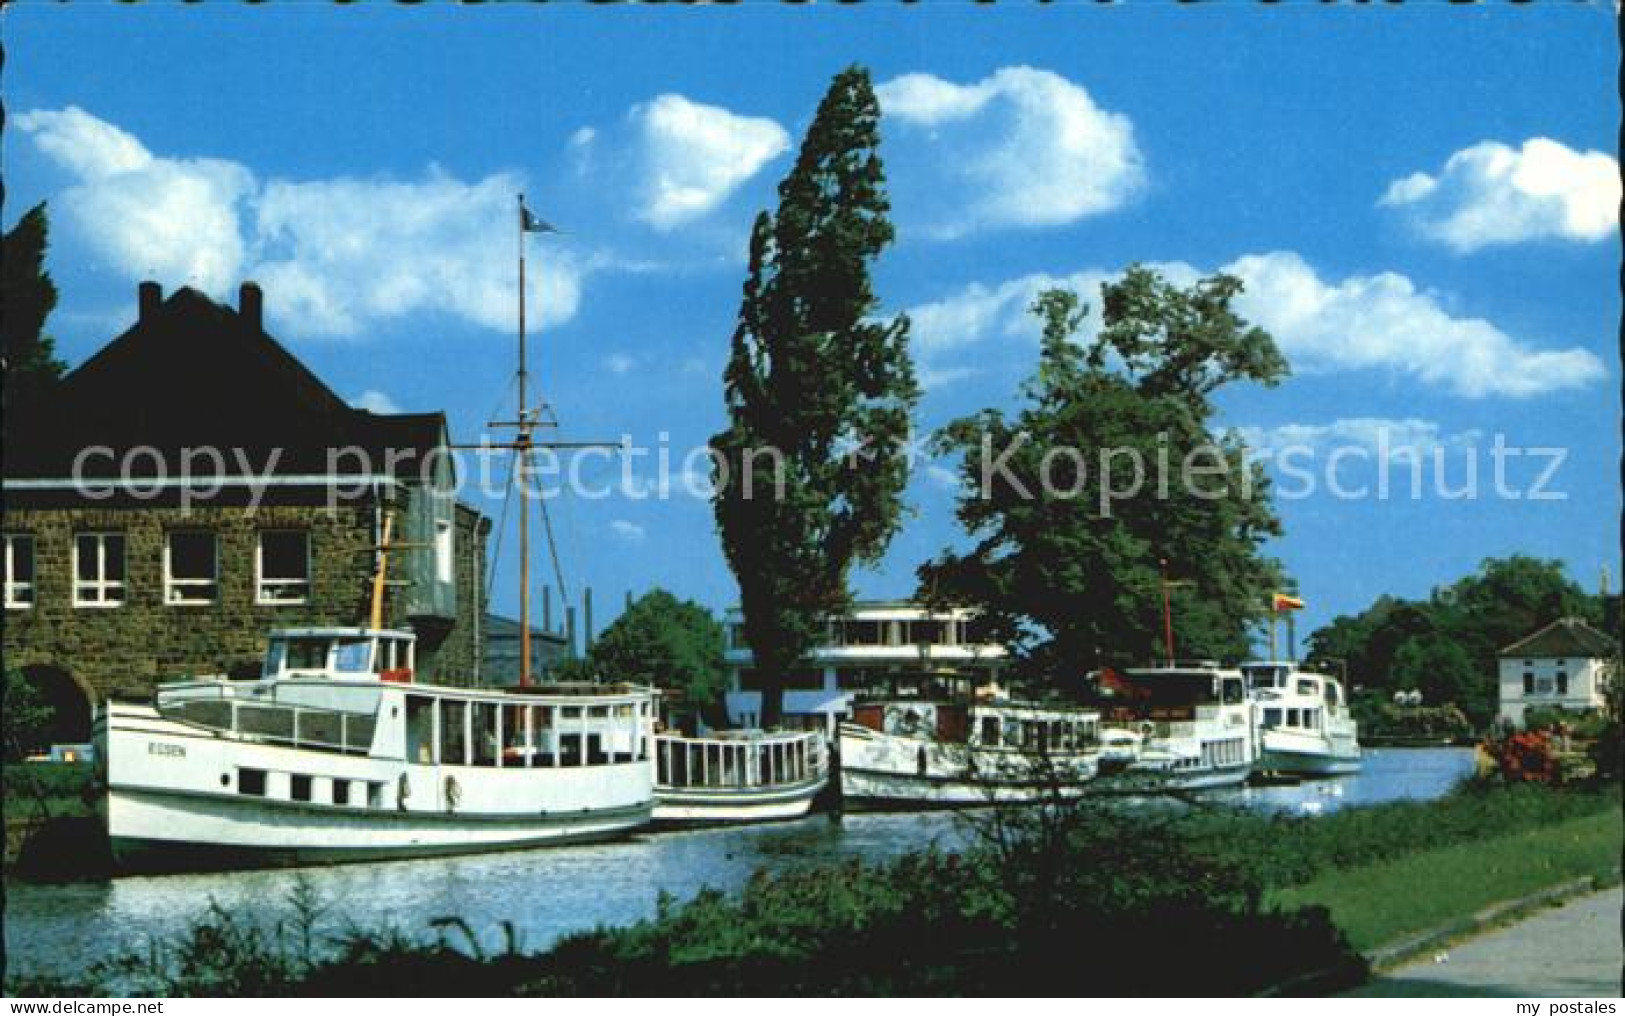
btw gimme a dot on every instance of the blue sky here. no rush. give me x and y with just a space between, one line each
1416 198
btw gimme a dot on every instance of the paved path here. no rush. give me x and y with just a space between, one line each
1570 951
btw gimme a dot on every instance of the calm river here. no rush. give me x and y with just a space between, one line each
547 893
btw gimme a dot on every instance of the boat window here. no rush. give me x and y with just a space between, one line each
1332 694
352 656
485 733
274 658
990 730
1234 691
251 782
306 654
341 792
1272 717
1292 718
375 794
1307 688
299 788
1012 734
419 729
453 742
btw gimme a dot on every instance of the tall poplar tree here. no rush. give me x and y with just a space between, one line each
27 297
820 392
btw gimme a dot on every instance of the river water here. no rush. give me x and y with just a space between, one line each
548 893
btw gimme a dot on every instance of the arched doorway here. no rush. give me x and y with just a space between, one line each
67 705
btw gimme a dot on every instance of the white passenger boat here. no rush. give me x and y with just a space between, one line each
738 776
1186 727
912 753
334 754
1304 726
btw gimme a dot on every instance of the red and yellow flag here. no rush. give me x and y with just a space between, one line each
1281 601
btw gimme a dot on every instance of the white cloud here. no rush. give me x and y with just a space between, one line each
374 401
335 256
1492 194
1374 322
1022 147
631 532
619 363
694 156
1390 438
1384 322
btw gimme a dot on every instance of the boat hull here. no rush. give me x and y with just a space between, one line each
1140 781
1291 762
890 790
691 806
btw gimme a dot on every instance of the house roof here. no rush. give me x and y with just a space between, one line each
1565 637
192 373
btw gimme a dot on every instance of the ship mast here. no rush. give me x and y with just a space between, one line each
522 444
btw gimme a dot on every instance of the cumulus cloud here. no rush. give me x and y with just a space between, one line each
693 156
1022 147
1492 194
1384 321
374 401
1389 438
335 256
1362 322
631 532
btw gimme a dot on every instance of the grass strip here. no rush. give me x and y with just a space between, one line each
1380 903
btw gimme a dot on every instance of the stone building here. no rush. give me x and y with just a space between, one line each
192 485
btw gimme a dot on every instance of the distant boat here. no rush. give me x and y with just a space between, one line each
1304 725
1185 727
334 754
738 776
915 753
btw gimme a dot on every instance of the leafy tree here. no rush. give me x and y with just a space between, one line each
28 296
27 716
1445 674
666 642
1066 560
819 392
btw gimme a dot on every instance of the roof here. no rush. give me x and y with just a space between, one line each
1567 636
193 374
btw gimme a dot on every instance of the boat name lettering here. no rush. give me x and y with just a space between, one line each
171 750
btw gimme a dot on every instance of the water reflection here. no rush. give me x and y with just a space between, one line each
548 893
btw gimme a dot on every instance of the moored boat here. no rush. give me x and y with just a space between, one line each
738 776
1185 727
914 753
334 754
1304 725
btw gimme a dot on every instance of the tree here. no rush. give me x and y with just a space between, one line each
669 643
28 296
819 393
27 716
1070 517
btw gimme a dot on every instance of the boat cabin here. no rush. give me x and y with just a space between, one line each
1172 694
340 653
1003 725
1291 698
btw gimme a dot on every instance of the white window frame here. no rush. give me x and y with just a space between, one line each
175 589
100 592
445 551
263 587
20 595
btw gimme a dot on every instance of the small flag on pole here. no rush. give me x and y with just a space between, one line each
531 224
1281 601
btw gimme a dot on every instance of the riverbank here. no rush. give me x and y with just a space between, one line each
1087 899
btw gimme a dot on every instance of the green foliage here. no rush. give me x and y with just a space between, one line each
1446 645
1378 717
819 392
28 295
1065 562
669 643
27 717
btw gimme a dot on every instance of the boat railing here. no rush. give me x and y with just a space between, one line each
262 716
740 761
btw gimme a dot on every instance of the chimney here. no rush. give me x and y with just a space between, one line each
151 296
251 304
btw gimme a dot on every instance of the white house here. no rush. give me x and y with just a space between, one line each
1564 664
875 646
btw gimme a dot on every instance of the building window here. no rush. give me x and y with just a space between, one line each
19 571
282 567
191 568
1562 682
98 569
1528 682
442 551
